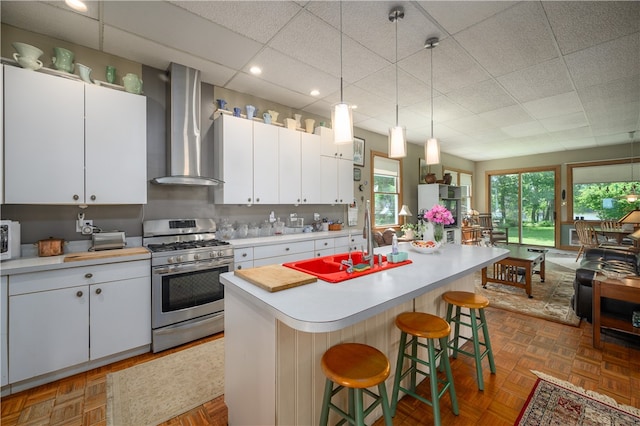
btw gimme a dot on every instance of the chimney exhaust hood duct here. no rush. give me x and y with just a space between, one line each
186 161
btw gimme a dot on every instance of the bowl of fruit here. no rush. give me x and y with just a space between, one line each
425 246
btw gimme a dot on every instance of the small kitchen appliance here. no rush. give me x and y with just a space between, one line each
9 239
187 297
108 240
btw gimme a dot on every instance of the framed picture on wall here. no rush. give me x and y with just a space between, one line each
358 152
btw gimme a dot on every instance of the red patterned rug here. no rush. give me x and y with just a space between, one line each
556 402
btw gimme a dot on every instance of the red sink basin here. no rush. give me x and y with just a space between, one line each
329 268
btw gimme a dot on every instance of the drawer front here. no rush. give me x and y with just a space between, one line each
324 252
324 244
71 277
243 265
286 249
243 255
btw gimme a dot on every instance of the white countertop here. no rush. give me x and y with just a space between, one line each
36 264
323 306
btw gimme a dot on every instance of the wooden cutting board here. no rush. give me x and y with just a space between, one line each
275 277
105 254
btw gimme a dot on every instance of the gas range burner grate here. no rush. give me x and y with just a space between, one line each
186 245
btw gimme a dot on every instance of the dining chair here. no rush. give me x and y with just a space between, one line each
495 234
611 225
587 236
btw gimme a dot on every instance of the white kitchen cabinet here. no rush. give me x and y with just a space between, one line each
68 317
355 242
448 196
243 258
2 137
234 160
4 320
324 247
289 166
265 163
115 147
48 331
246 155
336 169
310 188
67 142
282 253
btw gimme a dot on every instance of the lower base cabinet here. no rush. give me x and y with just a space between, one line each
67 317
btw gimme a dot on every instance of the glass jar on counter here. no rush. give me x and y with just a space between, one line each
242 231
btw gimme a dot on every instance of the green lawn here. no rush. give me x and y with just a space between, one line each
533 235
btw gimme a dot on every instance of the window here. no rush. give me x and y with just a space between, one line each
598 190
387 190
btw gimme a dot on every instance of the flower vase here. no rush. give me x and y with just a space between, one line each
438 232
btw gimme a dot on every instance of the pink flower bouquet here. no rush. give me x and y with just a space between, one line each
439 214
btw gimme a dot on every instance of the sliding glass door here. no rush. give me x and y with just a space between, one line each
525 203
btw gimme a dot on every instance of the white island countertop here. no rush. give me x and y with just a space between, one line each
323 307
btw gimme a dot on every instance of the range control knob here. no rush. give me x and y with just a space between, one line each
212 254
171 260
196 256
179 259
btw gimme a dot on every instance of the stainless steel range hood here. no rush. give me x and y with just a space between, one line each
186 161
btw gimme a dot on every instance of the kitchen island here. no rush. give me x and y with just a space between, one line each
274 341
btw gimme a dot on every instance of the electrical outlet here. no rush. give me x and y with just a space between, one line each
84 226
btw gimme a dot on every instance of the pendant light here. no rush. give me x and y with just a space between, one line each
341 117
397 134
432 147
632 196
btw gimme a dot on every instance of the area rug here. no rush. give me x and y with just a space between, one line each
551 299
158 390
556 402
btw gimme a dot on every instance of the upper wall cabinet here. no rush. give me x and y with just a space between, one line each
337 169
67 142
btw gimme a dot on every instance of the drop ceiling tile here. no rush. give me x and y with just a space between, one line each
513 39
444 110
455 16
621 91
524 129
605 62
284 71
572 134
368 103
453 68
481 97
187 32
51 21
565 122
383 83
321 108
374 125
554 105
126 45
93 8
538 81
513 114
578 25
266 18
470 125
254 86
581 143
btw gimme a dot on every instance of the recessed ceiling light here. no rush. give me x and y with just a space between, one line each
255 70
78 5
354 106
314 92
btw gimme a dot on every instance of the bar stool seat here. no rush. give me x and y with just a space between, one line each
432 328
355 366
474 302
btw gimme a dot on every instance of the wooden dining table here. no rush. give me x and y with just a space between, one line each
618 234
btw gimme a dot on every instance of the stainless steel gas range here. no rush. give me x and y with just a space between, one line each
187 298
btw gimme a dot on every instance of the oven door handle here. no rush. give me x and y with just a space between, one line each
191 267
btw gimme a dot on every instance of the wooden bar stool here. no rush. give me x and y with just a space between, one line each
431 328
474 302
356 367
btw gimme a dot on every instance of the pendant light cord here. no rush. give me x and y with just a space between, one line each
341 83
396 69
431 93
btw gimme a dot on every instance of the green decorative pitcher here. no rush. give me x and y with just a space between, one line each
132 83
63 59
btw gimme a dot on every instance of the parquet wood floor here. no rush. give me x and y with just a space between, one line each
520 344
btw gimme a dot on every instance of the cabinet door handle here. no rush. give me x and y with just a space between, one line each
249 200
98 290
326 243
244 254
286 249
239 267
75 197
305 200
93 198
257 200
88 275
79 293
